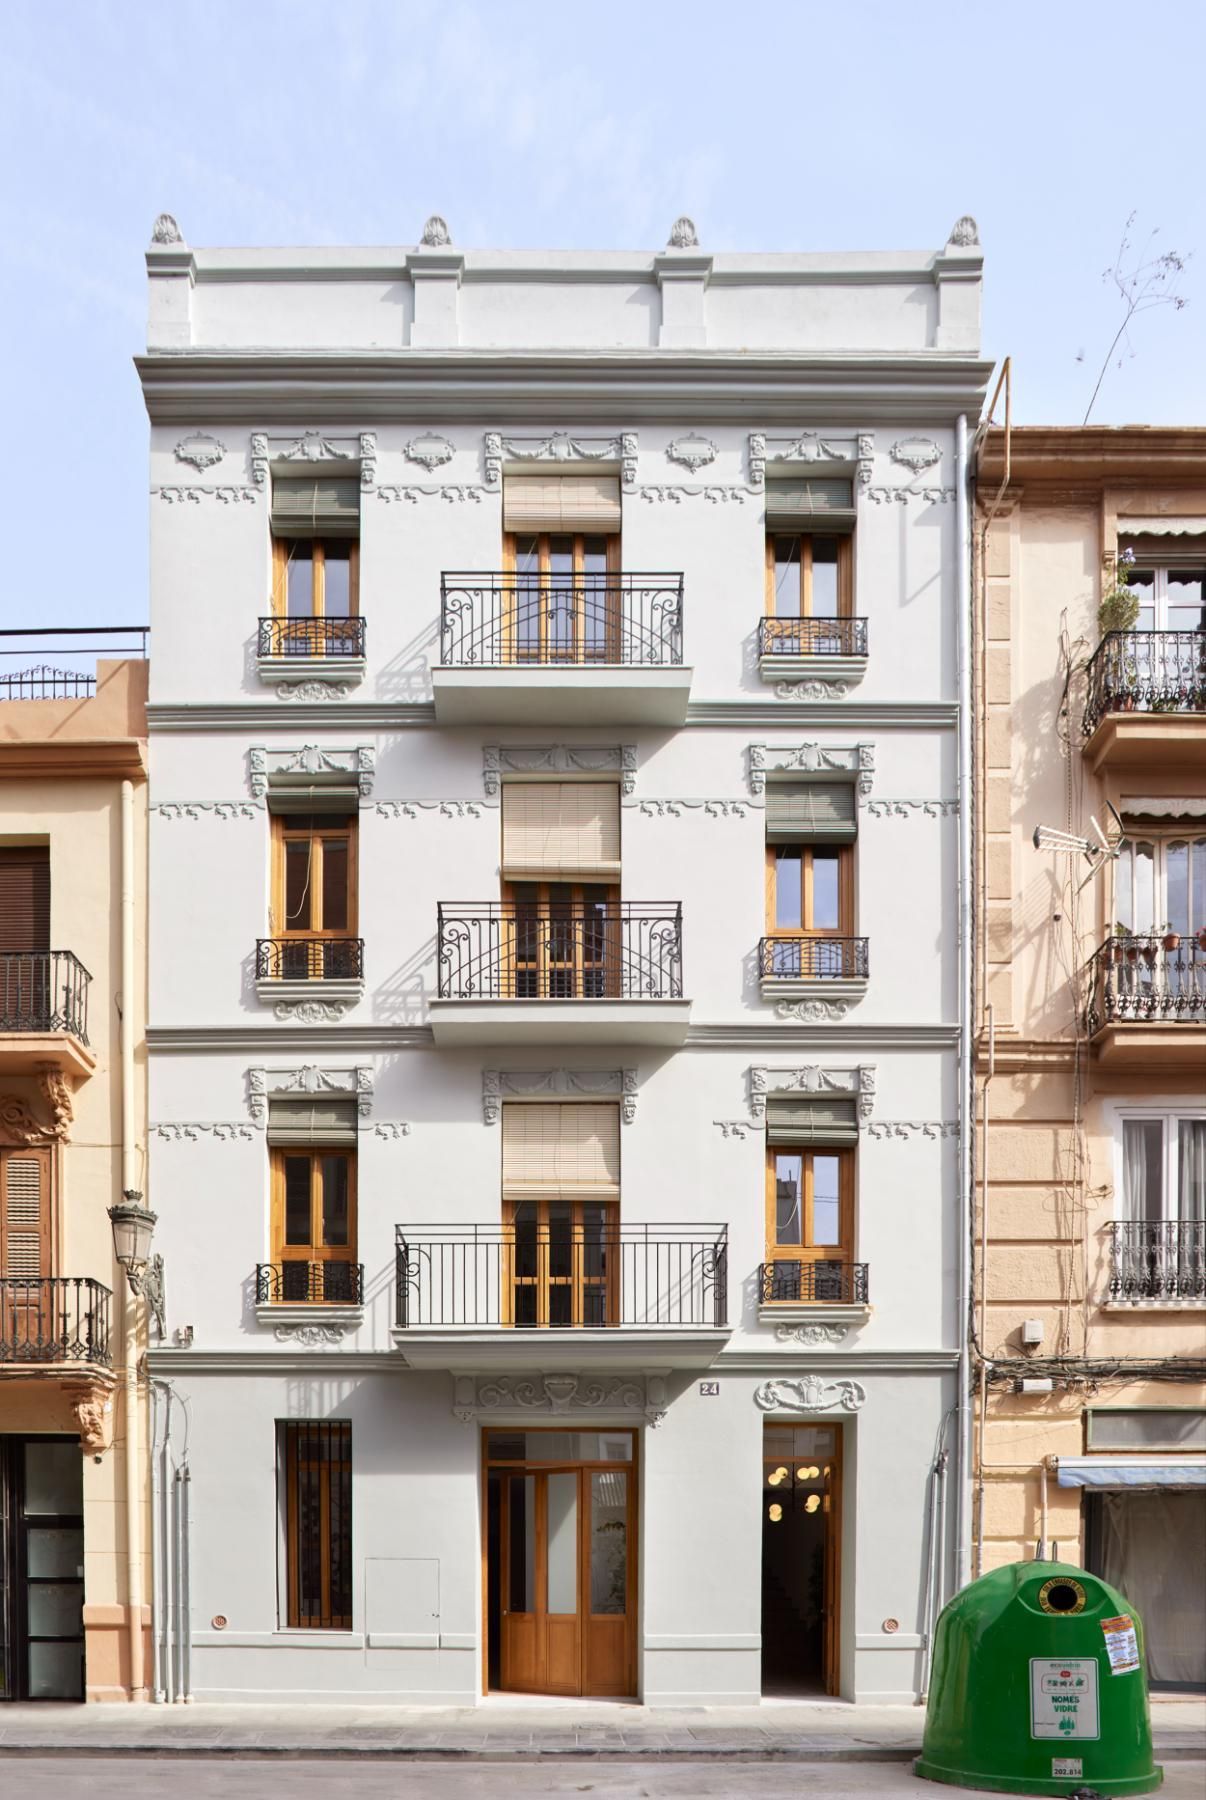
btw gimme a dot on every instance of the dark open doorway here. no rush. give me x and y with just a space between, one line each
801 1485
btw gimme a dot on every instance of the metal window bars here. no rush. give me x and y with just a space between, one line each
309 959
813 958
326 1283
821 1282
312 637
1158 1260
812 637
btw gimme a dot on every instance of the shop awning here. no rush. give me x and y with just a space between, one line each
1131 1471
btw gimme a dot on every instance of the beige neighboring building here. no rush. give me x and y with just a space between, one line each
73 1550
1090 1153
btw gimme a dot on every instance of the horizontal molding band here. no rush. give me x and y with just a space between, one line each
746 1640
847 1359
278 1640
276 1363
368 715
345 1040
888 1640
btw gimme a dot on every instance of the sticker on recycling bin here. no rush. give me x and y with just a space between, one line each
1063 1697
1122 1644
1064 1767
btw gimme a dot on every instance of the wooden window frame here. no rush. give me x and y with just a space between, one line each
281 548
546 966
806 1251
293 1465
807 849
315 1251
845 573
545 653
283 832
543 1281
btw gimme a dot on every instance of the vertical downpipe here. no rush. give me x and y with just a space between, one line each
186 1629
130 1304
966 1116
156 1548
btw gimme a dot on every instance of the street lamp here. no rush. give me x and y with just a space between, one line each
133 1226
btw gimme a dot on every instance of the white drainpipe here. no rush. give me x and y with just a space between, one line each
963 588
130 1303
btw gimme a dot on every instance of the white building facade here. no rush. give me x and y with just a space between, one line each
555 967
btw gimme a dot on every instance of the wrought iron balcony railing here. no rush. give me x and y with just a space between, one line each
317 1283
1165 1260
53 1319
311 637
812 637
44 990
309 959
1148 672
562 1276
820 1283
1148 978
813 959
510 950
504 620
44 682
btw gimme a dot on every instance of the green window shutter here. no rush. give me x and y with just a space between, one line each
824 506
794 1121
811 809
323 1119
325 799
310 508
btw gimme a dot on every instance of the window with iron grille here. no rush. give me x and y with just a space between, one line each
315 1464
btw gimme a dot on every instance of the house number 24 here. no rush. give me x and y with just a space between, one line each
709 1389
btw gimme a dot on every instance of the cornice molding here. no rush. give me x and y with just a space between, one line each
347 1040
277 1362
92 759
360 715
1097 455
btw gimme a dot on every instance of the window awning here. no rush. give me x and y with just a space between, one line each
1174 806
1161 526
1131 1471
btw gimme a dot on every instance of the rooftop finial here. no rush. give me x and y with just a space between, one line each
964 232
166 231
683 235
436 233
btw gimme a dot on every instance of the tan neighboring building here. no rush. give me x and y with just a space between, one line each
74 1513
1090 1306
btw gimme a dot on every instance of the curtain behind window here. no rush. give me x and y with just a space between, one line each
1153 1547
1142 1170
1191 1170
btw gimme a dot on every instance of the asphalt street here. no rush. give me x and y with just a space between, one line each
224 1778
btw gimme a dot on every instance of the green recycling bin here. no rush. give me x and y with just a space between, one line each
1038 1687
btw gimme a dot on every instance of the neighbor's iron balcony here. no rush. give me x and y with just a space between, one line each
309 959
1164 1260
812 637
813 959
44 990
562 1277
1135 977
316 1283
510 950
312 638
1146 672
503 620
808 1283
53 1319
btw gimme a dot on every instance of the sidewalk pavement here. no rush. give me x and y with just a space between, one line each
507 1730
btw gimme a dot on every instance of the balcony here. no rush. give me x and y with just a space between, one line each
820 649
295 970
311 649
821 975
1157 1264
54 1320
1147 1002
605 973
793 1293
314 1301
534 650
44 1013
1146 701
524 1296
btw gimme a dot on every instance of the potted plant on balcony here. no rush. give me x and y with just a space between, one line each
1171 940
1120 936
1119 602
1201 938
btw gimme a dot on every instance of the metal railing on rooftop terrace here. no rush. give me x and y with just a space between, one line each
46 681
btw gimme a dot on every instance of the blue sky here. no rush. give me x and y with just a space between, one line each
782 125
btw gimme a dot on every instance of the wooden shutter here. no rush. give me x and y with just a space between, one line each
25 897
315 509
553 1152
25 1213
554 830
792 1119
324 1120
811 809
561 503
824 506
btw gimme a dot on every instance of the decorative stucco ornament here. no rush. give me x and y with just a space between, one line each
693 451
964 232
811 1393
683 235
166 231
429 450
436 233
200 450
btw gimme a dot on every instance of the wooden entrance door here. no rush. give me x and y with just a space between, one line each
564 1586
